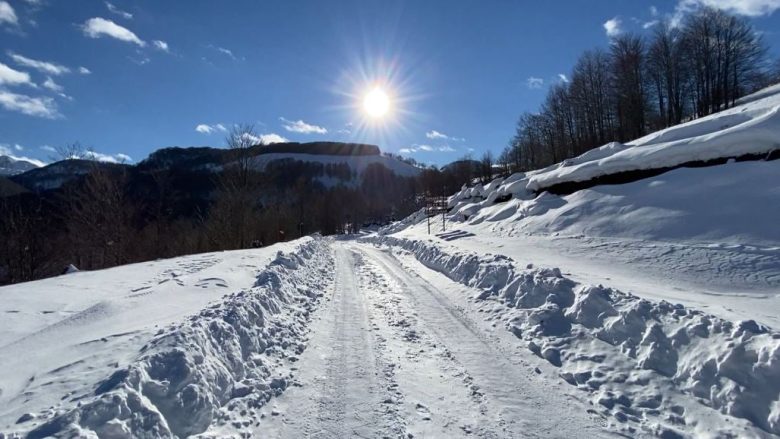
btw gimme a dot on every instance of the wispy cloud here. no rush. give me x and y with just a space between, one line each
84 71
32 106
224 51
649 24
613 27
534 83
7 14
425 148
208 129
299 126
99 27
50 68
9 76
750 8
114 10
108 158
563 78
433 135
160 45
53 86
269 138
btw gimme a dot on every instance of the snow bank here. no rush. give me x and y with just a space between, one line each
752 128
226 353
642 363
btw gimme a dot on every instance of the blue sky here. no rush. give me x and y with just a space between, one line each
128 77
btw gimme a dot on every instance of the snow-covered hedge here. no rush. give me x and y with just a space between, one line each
642 363
181 379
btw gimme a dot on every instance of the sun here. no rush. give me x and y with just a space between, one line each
376 103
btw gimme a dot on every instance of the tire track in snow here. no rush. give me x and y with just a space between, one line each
520 406
435 394
343 378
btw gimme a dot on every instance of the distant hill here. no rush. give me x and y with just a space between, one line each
330 163
56 174
13 166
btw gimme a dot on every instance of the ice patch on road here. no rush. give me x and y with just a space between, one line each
184 378
645 364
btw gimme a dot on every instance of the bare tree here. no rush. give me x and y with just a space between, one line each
234 211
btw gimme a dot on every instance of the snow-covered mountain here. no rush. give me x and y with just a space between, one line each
54 175
13 166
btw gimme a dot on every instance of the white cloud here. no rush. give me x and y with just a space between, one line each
31 106
98 27
208 129
272 138
425 148
750 8
649 24
108 158
161 45
612 26
534 83
7 14
9 76
563 78
6 151
433 134
19 147
53 86
48 148
49 68
653 11
266 139
299 126
114 10
84 71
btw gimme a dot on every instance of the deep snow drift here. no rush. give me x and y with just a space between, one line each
114 357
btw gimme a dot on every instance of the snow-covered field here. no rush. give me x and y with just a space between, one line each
154 348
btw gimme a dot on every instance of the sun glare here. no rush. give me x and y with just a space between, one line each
376 103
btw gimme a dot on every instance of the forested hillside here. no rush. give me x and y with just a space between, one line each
187 200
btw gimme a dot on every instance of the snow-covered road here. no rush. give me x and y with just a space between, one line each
396 352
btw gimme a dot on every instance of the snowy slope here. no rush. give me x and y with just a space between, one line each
747 129
155 337
659 298
10 165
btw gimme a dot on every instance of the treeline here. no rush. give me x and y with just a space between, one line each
643 84
115 215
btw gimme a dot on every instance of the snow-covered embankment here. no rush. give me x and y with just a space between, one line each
656 366
188 376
